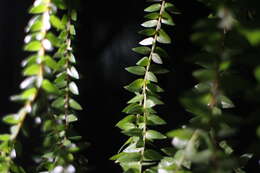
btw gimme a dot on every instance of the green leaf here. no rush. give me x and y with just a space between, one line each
74 15
56 22
132 109
146 42
127 120
72 30
155 120
136 99
36 26
5 137
33 46
39 9
135 86
161 52
29 94
72 58
226 147
163 37
54 40
150 23
152 134
167 19
60 77
11 119
58 103
204 75
184 134
60 4
171 8
142 50
225 102
143 62
154 88
149 104
136 70
73 72
71 118
75 105
49 87
130 157
152 16
148 32
133 132
156 58
152 155
31 70
153 8
117 156
151 77
51 63
73 88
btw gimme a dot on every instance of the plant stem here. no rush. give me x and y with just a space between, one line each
158 27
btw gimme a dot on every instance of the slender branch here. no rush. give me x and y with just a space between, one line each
158 27
41 53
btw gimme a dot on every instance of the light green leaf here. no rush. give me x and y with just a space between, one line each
151 77
147 41
167 19
156 58
135 86
152 134
31 70
73 72
133 108
72 30
136 99
73 88
49 87
58 103
148 32
71 118
5 137
51 63
153 8
142 50
143 62
163 37
75 105
136 70
130 157
56 22
184 134
39 9
150 23
29 94
33 46
128 119
152 16
11 119
155 120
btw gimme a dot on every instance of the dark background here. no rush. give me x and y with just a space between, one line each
106 33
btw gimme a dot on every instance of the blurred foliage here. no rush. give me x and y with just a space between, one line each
223 104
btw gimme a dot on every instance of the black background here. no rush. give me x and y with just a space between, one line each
106 33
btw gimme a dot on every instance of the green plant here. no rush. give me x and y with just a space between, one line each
139 154
40 87
208 143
